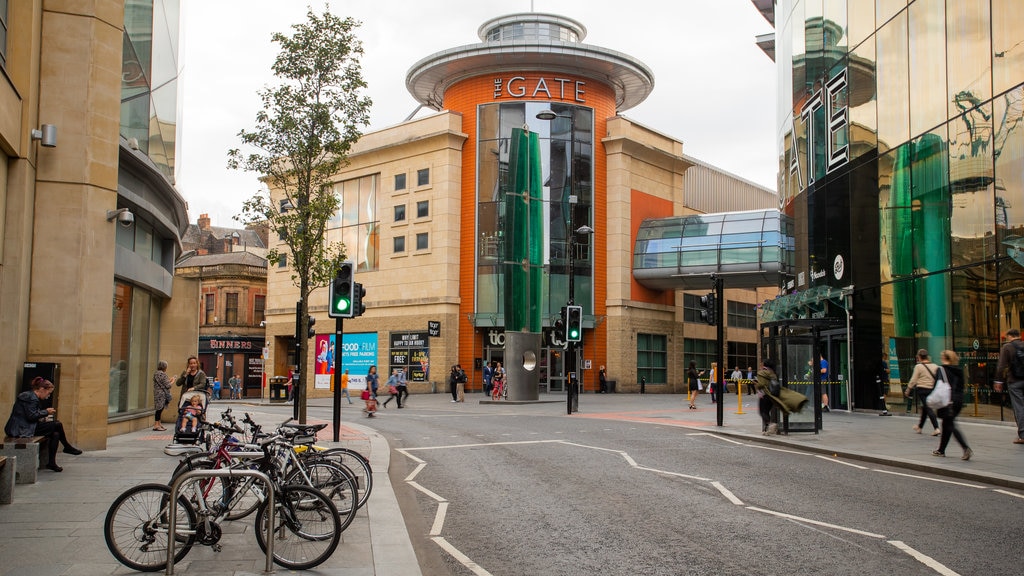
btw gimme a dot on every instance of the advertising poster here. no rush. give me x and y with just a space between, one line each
358 353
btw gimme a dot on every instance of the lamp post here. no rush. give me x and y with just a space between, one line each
569 368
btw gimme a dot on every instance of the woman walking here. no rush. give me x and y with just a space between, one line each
161 393
953 374
922 380
765 404
692 384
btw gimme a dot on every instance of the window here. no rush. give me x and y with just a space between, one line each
742 354
423 177
421 241
400 213
357 222
652 358
399 244
423 209
701 352
399 182
283 261
691 309
231 308
259 309
742 315
211 311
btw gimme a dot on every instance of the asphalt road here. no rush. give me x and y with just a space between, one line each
514 490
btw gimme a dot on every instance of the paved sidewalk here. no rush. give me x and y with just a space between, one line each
55 526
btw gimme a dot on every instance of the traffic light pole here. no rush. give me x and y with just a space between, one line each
720 353
339 334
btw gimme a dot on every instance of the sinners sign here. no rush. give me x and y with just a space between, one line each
833 100
521 87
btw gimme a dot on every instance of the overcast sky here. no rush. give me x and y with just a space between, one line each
714 89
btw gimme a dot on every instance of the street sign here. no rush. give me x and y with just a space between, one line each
433 328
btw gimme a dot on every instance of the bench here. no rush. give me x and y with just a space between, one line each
29 454
7 479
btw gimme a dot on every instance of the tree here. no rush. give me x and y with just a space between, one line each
302 138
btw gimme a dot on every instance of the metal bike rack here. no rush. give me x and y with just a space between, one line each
223 472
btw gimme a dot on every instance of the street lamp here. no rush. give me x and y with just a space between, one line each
569 366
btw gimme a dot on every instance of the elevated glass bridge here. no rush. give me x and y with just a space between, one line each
746 249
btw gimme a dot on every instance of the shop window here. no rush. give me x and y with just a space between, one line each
652 358
700 352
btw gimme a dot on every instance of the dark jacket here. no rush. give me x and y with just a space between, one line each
789 401
1006 354
199 381
954 376
25 414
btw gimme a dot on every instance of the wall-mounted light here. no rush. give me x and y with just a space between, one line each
47 135
124 216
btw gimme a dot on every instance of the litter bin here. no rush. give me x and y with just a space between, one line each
278 388
610 386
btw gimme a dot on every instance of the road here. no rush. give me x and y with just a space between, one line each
514 490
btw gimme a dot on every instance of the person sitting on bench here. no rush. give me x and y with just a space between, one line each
28 419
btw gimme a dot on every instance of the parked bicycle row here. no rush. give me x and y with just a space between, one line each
317 492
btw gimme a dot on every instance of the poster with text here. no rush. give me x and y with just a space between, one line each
358 353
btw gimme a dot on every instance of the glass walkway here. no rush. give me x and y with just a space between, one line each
747 249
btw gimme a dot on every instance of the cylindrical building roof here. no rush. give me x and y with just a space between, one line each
525 42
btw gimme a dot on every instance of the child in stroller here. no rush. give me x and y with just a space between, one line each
192 413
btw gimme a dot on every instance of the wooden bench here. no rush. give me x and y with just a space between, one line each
7 479
29 454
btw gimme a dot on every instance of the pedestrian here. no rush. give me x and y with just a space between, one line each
736 376
403 389
161 394
882 379
602 381
922 380
344 386
823 371
392 386
488 377
370 401
692 384
192 378
1010 378
235 387
643 384
766 386
750 373
954 376
461 381
453 382
372 381
713 382
498 381
216 388
28 419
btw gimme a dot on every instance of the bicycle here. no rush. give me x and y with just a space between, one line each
306 523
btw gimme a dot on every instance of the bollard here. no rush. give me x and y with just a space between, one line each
739 397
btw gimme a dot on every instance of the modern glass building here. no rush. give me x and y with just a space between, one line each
901 162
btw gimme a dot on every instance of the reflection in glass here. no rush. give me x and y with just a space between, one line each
927 41
893 87
968 57
1007 44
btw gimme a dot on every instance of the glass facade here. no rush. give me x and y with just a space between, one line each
566 153
901 162
357 223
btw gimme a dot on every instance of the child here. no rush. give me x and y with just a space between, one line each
192 413
371 403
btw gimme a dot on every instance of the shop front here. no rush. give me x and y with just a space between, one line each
225 357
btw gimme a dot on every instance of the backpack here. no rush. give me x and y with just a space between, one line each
1017 361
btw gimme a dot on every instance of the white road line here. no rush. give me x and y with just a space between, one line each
1008 493
924 559
481 444
667 473
462 558
837 461
410 456
815 522
415 471
717 437
417 486
439 516
927 478
725 492
773 449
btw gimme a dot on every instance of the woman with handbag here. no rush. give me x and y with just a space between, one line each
953 375
922 380
692 384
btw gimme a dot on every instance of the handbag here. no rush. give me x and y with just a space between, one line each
941 394
392 390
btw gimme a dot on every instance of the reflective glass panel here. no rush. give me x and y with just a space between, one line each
862 110
886 9
1007 44
893 84
927 37
969 57
860 21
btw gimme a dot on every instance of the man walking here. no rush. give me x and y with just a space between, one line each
1010 377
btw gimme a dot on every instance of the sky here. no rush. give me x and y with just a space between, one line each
714 89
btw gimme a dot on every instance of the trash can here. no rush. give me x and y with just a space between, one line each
278 388
610 386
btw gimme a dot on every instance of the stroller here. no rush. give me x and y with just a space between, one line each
187 436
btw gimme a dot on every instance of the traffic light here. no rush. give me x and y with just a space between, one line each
358 292
559 327
342 292
310 333
707 305
574 323
298 325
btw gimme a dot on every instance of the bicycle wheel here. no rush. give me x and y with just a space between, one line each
336 481
356 462
305 528
136 527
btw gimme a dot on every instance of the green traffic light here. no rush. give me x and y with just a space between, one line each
342 305
574 334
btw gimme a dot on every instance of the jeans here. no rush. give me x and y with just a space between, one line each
948 415
1016 391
